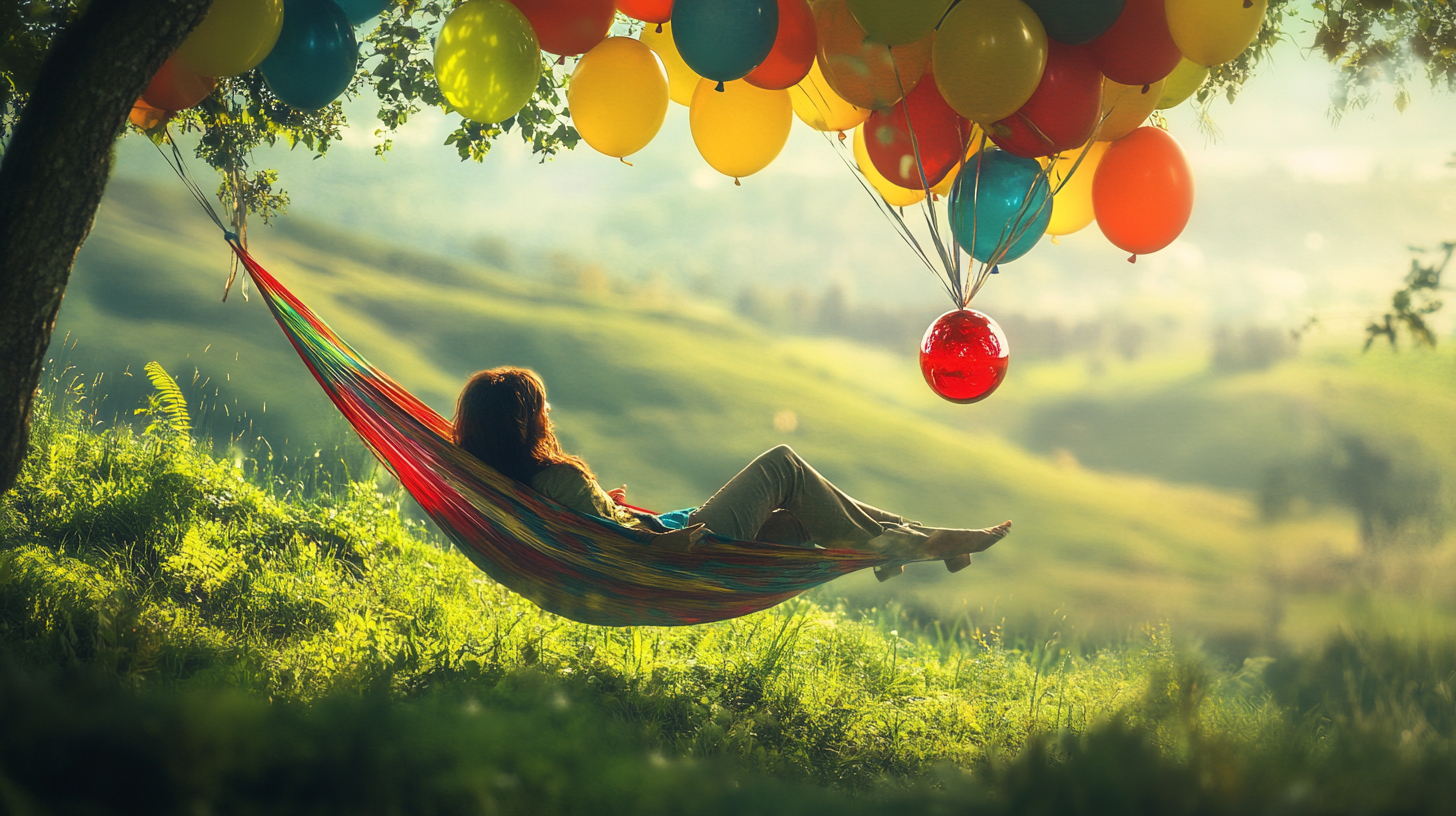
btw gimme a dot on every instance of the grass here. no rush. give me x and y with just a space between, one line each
195 640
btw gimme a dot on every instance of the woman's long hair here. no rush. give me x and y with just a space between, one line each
501 419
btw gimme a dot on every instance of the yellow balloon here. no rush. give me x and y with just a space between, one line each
740 129
1211 32
1185 81
1126 107
681 80
234 36
487 60
988 58
1072 198
618 96
893 194
820 107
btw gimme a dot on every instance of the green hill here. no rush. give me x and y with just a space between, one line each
672 397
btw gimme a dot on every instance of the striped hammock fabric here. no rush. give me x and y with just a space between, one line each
578 566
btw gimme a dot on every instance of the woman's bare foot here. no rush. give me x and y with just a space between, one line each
956 546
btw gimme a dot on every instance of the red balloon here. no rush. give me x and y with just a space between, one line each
569 27
793 49
1063 111
174 88
940 137
648 11
1142 194
964 356
1138 50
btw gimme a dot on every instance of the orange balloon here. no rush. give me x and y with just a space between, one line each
864 73
148 117
1142 193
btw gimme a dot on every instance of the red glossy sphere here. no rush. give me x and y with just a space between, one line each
964 356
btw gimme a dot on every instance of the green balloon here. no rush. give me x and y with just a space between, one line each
1185 80
897 22
487 60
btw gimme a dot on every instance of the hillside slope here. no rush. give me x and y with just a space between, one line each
672 398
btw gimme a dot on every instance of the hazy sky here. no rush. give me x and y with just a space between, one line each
1293 213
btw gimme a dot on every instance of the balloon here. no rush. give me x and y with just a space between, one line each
681 80
487 60
724 39
362 11
1008 208
648 11
174 88
964 356
618 96
1142 192
1072 190
1126 107
820 107
1184 82
1138 50
793 49
939 143
897 22
234 36
314 59
740 129
865 73
1076 21
989 57
1063 111
148 117
894 194
974 142
1212 32
568 27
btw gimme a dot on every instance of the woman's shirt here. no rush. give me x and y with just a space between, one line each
566 485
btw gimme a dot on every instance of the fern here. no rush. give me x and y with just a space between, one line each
168 407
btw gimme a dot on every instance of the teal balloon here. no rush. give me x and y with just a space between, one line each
1011 205
724 39
360 12
1076 21
314 59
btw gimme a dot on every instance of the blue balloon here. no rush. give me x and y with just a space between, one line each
1076 21
1010 206
724 39
314 59
360 12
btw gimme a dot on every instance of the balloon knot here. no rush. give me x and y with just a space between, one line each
935 196
842 137
659 27
996 270
624 161
1248 3
1057 239
1132 258
737 183
561 60
719 89
1147 88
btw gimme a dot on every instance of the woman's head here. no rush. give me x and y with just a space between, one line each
502 418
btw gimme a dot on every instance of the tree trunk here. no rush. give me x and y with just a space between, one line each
53 174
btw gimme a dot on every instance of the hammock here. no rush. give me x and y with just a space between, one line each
578 566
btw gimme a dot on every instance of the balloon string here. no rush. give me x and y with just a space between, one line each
932 222
885 209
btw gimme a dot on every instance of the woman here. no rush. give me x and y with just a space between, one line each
503 419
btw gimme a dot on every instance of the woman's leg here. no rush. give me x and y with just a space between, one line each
780 479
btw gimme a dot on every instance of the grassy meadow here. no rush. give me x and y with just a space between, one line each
201 643
1134 486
